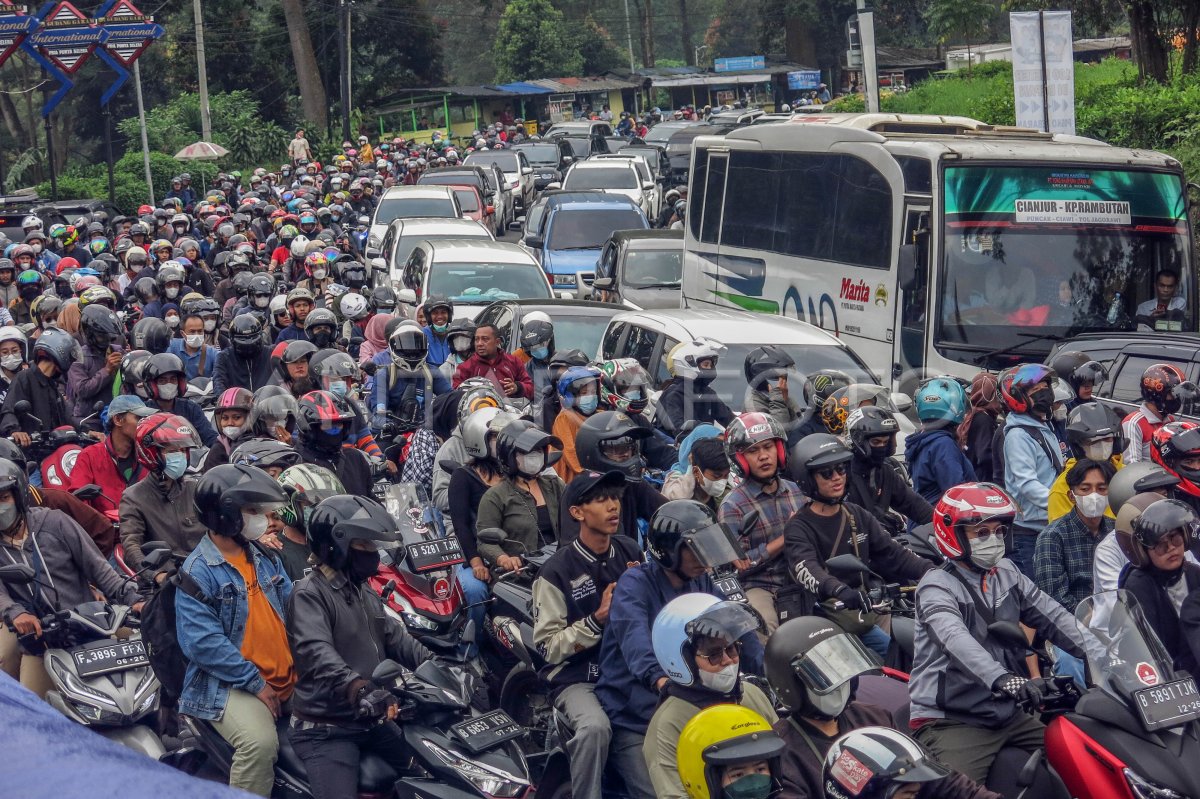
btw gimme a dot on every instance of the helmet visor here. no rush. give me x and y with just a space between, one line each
714 545
832 662
726 621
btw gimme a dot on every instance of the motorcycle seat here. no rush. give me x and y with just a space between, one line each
375 776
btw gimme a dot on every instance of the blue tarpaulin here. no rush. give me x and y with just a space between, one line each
521 87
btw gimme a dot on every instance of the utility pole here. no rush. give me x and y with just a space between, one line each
866 35
137 85
629 43
344 67
205 120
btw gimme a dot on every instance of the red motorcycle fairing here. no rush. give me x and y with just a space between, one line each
1087 768
442 603
56 469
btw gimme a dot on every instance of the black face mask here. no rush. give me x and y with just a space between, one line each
30 293
246 349
362 565
63 291
322 339
1042 402
878 455
328 443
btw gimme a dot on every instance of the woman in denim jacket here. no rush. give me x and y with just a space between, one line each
240 673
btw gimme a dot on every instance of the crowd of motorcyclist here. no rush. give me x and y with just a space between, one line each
238 388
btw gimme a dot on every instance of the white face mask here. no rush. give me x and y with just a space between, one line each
194 340
172 292
318 274
721 681
714 488
168 392
262 302
11 362
1091 505
1099 450
210 325
532 463
987 552
254 525
1060 413
231 432
172 321
833 703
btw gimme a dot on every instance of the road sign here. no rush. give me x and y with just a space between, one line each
129 34
740 63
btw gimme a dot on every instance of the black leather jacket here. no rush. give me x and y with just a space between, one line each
339 633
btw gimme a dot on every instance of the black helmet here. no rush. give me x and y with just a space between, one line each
1078 369
133 368
871 762
264 453
383 299
146 290
225 491
273 407
161 365
99 326
13 478
1161 520
408 347
324 420
59 346
333 363
812 453
13 453
320 317
522 437
260 291
150 334
246 333
1088 422
241 283
537 332
460 335
869 422
602 432
337 521
820 384
169 273
769 362
296 350
810 658
686 522
435 301
353 274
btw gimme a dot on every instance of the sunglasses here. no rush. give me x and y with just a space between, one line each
1167 543
1000 531
718 656
829 471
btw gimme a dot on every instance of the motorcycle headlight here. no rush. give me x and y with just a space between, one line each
88 711
1144 789
488 779
77 686
408 615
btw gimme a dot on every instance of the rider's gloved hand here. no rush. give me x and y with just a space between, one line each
374 703
1028 694
853 599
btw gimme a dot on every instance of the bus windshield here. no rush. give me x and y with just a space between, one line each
1036 253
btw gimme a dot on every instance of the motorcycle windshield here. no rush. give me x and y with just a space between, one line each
418 518
1124 654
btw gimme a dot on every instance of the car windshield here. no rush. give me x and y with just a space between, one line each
488 282
1036 252
406 244
580 147
468 200
507 161
588 229
541 154
660 133
576 332
648 154
730 383
617 177
646 269
398 208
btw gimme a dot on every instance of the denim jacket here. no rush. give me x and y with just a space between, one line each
210 635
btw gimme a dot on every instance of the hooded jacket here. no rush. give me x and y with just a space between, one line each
89 380
233 371
936 462
373 340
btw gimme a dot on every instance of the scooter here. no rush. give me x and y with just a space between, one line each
98 665
892 599
53 452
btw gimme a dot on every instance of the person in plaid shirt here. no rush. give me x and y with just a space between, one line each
754 443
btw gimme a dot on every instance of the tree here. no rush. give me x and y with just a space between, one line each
533 41
596 46
965 19
308 75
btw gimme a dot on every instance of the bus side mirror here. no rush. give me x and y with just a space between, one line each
906 266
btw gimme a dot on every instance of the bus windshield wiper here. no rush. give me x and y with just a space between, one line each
1030 338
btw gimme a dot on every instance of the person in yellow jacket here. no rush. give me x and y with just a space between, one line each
1092 434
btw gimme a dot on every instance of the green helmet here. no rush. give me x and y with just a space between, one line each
306 485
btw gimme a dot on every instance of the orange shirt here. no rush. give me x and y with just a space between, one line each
265 642
565 426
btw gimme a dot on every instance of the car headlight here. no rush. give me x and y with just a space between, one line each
488 779
1144 789
563 280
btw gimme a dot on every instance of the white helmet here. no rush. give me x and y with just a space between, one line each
535 316
685 359
278 304
354 306
299 247
31 222
12 333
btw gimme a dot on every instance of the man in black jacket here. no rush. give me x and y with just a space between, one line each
875 484
40 386
339 633
248 362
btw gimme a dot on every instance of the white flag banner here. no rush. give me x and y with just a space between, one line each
1049 96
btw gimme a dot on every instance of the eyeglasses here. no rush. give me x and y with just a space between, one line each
718 656
1167 543
829 471
1000 530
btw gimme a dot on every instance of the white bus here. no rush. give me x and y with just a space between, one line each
937 245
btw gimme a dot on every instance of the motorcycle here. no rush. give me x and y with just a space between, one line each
98 665
891 599
454 754
52 452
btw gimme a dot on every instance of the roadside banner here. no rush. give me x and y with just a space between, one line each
15 25
1043 70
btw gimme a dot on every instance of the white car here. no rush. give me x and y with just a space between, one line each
402 202
403 235
649 185
518 172
611 176
472 273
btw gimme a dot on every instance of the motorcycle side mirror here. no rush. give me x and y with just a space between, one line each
17 573
388 671
388 589
22 407
492 535
153 546
1008 633
156 560
87 492
847 564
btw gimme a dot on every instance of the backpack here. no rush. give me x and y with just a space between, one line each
998 449
160 636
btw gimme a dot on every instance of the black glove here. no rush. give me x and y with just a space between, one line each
1028 694
373 704
853 599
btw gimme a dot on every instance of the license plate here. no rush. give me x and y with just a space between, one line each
436 554
109 656
484 732
1168 705
731 588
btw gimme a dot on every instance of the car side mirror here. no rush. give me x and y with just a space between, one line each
568 159
906 266
603 283
406 296
372 252
491 535
536 242
648 186
902 401
526 170
378 263
554 185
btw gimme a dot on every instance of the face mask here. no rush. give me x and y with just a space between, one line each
231 432
714 488
363 565
168 392
752 786
540 353
175 464
1098 450
1091 505
254 525
172 321
210 325
318 274
194 341
1042 401
37 248
261 301
246 349
879 455
531 464
722 681
8 515
30 294
588 404
440 328
322 339
337 388
1060 413
987 552
171 292
11 362
462 346
831 705
63 292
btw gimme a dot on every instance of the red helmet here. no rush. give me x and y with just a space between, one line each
1172 443
969 503
318 408
1163 384
1016 383
64 263
235 399
162 430
749 429
145 210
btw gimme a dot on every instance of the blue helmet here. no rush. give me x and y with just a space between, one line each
688 617
941 399
566 387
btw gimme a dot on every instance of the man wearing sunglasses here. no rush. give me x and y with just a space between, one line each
830 526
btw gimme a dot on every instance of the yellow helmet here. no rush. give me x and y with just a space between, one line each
721 736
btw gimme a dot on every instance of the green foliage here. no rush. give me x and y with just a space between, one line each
533 41
951 20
